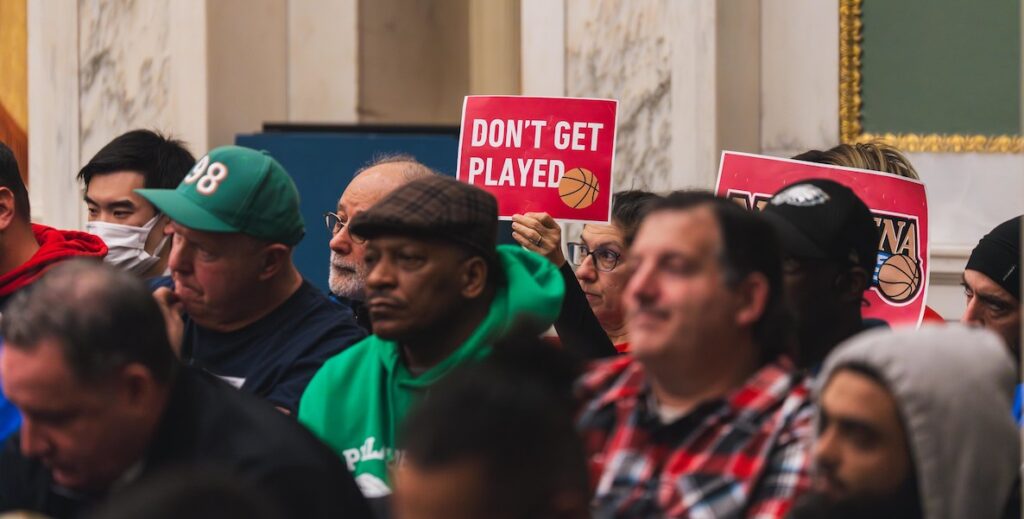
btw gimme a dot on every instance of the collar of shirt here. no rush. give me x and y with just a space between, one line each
759 394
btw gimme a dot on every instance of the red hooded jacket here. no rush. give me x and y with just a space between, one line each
54 246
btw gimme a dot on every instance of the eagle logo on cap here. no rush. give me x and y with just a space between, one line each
804 195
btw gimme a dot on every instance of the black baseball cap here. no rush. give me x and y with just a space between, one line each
823 219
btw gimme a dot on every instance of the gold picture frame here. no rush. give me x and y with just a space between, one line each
850 129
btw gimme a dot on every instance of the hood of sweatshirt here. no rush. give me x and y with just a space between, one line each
953 387
54 246
531 296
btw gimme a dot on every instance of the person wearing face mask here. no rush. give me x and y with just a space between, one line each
131 226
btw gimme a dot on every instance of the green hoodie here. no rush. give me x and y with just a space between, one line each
358 399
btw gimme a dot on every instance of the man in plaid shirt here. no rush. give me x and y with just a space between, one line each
707 419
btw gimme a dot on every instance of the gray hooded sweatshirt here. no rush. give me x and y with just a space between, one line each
954 390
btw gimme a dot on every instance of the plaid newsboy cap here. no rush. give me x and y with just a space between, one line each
435 207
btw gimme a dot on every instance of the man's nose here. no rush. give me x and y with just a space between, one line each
180 259
642 286
33 443
972 314
381 275
825 452
341 243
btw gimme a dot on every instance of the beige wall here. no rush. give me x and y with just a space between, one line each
247 67
413 60
322 60
494 47
419 58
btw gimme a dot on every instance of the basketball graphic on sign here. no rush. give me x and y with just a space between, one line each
578 188
899 278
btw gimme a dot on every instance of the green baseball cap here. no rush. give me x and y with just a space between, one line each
235 189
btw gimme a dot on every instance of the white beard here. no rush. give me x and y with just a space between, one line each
345 279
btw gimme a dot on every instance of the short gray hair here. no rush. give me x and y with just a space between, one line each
411 169
102 318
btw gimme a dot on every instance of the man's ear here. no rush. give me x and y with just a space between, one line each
851 285
137 385
752 294
8 209
276 258
474 277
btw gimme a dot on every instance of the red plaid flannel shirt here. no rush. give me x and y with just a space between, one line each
745 455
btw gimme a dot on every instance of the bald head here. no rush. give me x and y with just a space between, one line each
371 184
347 273
403 164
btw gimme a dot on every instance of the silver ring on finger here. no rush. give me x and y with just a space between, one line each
538 241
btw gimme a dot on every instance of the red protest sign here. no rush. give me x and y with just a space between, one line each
899 205
545 154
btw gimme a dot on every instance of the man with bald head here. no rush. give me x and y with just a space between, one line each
347 279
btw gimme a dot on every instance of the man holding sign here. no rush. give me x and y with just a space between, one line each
540 154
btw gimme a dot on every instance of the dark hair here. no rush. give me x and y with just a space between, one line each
10 177
196 492
513 420
749 245
162 161
102 318
629 209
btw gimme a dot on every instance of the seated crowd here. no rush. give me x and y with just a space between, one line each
689 359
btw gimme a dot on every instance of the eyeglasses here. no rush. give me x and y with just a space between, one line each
335 224
605 260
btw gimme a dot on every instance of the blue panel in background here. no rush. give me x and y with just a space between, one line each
322 164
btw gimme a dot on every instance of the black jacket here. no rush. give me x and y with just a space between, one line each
578 329
208 423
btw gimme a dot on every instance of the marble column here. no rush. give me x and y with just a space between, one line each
198 70
687 77
622 50
53 142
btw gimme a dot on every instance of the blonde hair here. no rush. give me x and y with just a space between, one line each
876 156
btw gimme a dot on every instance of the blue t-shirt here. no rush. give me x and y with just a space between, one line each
10 418
275 357
1017 404
160 281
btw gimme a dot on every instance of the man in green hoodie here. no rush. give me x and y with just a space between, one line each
440 293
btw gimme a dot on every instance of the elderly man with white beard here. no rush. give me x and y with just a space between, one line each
347 278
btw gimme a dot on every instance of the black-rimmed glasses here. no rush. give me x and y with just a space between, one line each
335 224
605 260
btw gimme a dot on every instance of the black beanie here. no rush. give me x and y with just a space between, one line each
998 256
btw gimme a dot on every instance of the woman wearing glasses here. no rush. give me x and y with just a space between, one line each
594 290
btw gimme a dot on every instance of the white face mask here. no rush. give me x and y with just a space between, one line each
127 244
